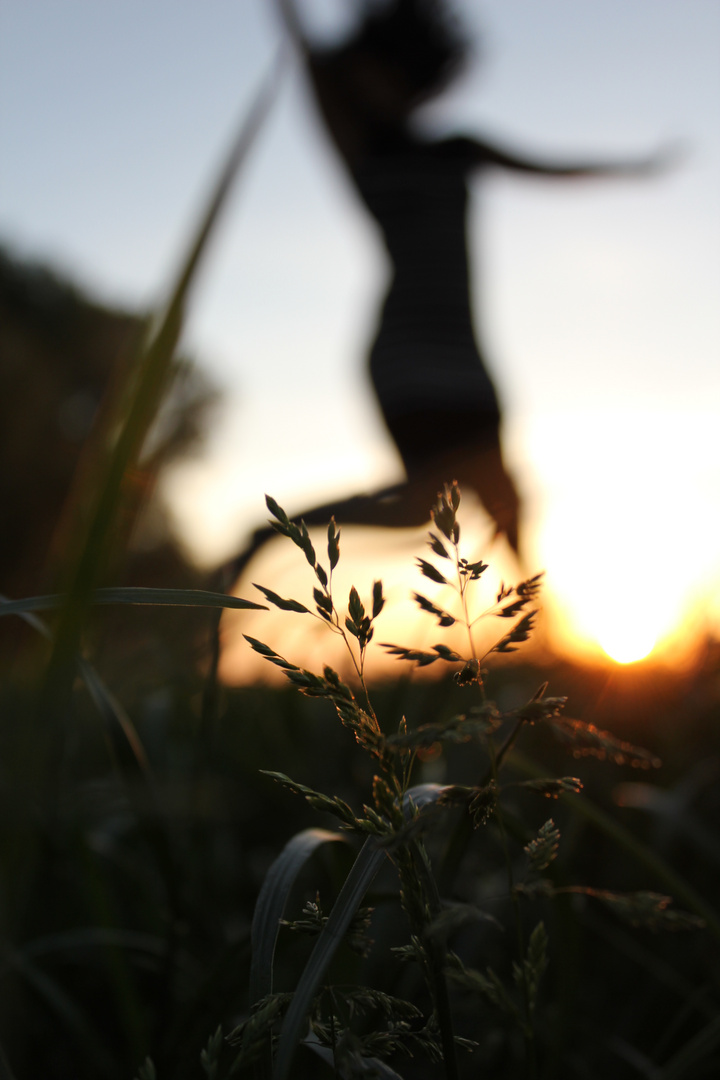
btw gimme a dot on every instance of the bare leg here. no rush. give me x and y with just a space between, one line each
442 445
476 463
484 472
405 505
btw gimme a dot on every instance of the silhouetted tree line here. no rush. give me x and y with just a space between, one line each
61 354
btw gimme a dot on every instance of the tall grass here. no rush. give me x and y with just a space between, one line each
362 1028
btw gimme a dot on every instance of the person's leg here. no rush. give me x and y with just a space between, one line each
483 471
464 445
436 448
403 505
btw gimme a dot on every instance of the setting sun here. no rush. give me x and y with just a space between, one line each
605 593
616 545
626 648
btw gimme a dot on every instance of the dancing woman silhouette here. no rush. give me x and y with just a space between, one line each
426 366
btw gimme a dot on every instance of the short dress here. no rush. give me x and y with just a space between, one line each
425 365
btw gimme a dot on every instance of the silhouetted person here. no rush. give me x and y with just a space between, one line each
426 367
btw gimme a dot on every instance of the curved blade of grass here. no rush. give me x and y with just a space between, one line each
356 884
113 713
105 701
269 910
676 885
24 613
271 902
133 595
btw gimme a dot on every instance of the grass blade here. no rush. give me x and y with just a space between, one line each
271 902
105 701
349 899
269 910
356 884
113 713
133 595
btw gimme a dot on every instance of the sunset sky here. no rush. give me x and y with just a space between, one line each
598 302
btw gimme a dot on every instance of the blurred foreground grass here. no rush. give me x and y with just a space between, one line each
128 896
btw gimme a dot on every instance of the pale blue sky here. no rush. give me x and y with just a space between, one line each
599 301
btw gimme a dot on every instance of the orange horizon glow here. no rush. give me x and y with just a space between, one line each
628 532
599 603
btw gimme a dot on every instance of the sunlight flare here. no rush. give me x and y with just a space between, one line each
627 648
628 532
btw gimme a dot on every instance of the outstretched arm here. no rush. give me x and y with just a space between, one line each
490 154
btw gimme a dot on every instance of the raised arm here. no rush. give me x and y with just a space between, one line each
355 96
491 154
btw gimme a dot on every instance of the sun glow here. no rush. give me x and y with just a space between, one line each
606 586
627 559
624 527
366 554
627 642
626 650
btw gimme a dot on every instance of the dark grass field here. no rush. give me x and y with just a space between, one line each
127 895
